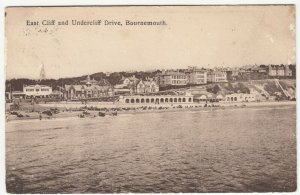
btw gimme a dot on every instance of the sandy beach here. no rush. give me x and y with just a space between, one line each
75 112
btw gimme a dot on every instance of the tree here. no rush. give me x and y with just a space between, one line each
215 89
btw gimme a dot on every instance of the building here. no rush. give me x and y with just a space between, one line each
17 94
240 97
147 87
31 91
132 85
217 76
57 94
192 75
208 98
288 71
143 100
39 91
279 70
88 88
164 79
171 77
127 85
129 80
118 90
196 75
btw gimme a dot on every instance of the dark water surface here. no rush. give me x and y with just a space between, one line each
231 150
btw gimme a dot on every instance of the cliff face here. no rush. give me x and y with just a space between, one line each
268 89
273 89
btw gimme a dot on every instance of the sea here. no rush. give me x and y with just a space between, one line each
210 150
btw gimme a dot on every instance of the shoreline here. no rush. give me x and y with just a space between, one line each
138 110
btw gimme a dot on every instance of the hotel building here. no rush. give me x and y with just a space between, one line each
171 77
217 76
196 75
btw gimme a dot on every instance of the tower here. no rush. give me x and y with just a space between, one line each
42 73
88 81
88 78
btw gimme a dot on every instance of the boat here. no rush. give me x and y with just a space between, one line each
114 113
81 116
102 114
47 112
86 112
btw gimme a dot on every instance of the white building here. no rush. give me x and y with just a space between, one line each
196 75
171 77
240 97
217 76
156 99
37 91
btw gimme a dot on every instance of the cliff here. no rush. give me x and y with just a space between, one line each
269 89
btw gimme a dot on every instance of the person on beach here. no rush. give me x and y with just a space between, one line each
40 116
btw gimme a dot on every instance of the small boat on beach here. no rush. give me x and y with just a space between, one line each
47 112
86 112
81 115
114 113
102 114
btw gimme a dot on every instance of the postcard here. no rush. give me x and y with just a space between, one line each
150 99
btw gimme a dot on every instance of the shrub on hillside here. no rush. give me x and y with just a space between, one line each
215 89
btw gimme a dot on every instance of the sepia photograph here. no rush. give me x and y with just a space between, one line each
150 99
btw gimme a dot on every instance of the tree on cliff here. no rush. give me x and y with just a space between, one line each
241 88
215 89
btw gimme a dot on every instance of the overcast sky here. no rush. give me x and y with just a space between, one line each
204 36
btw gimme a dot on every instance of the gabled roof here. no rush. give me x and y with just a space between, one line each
147 83
103 82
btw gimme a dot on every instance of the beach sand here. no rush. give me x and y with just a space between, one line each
141 109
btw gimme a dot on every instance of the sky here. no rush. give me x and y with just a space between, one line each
203 36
